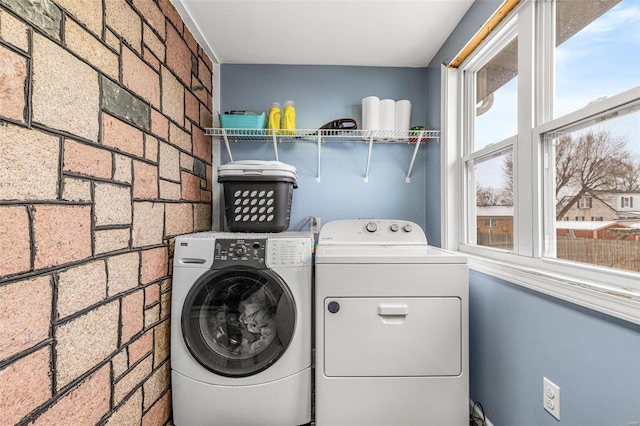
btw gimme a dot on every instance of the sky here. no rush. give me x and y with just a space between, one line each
603 59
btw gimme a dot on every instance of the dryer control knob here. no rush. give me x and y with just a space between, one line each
407 228
394 227
372 227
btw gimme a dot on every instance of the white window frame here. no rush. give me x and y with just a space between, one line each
611 291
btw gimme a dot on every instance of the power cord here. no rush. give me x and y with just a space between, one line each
476 420
306 220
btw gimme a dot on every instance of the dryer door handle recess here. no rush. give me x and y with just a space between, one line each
393 309
393 313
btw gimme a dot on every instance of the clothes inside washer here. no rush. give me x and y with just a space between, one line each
257 316
247 331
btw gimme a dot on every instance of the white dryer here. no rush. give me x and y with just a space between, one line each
391 327
241 329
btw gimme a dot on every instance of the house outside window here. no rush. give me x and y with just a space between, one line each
575 134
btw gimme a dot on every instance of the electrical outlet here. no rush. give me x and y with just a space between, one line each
551 398
315 224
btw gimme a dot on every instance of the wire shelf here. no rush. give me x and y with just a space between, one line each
327 135
319 136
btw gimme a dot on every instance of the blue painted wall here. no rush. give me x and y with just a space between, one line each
518 336
322 94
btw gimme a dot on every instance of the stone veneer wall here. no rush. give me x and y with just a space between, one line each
103 160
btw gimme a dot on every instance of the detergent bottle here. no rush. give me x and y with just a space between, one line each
274 118
289 118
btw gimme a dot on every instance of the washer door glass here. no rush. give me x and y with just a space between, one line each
237 322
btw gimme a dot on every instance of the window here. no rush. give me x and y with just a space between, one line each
627 202
585 203
589 38
490 223
493 197
532 139
489 155
593 155
496 83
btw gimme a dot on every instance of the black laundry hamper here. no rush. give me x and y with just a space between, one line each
257 195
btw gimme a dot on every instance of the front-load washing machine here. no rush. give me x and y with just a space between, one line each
391 327
241 329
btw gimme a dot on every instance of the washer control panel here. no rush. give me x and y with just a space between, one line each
250 252
262 253
289 252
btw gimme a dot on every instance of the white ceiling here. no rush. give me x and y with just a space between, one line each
393 33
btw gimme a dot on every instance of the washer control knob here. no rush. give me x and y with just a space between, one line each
407 228
239 251
372 227
394 227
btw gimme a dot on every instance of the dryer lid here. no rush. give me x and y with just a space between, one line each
379 241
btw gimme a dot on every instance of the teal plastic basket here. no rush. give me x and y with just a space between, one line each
243 121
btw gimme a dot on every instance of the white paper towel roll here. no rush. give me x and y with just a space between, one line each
371 113
403 115
387 115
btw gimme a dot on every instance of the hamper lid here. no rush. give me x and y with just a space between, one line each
259 169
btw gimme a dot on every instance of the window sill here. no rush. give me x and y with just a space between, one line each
616 301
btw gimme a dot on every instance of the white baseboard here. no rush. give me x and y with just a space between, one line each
478 413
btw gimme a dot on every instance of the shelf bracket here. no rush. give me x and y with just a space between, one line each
366 172
413 158
226 144
275 145
319 155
